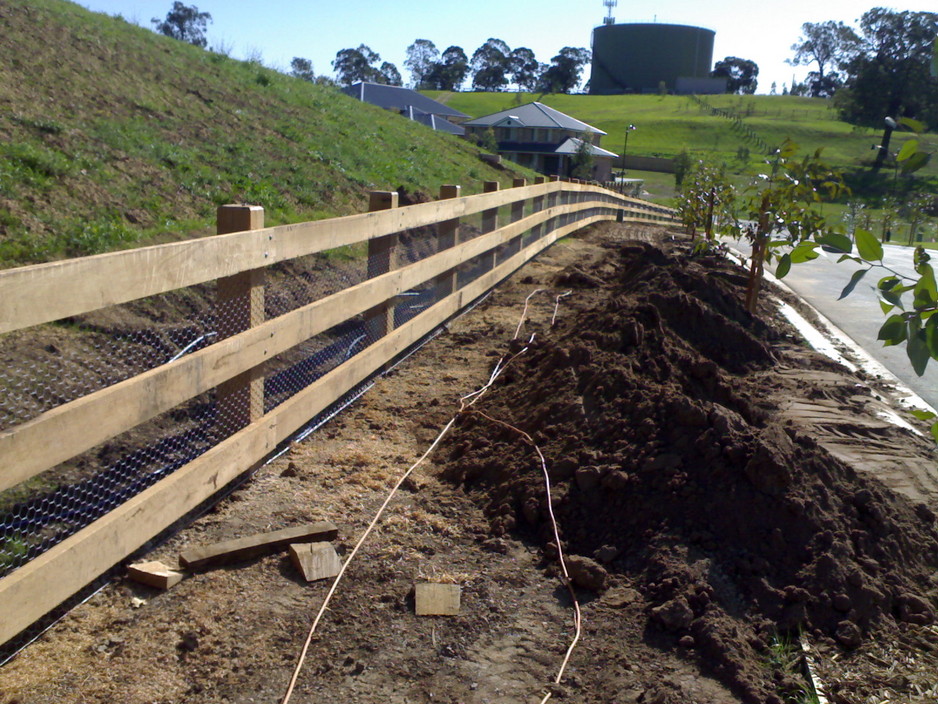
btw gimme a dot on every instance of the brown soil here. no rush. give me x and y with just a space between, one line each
709 511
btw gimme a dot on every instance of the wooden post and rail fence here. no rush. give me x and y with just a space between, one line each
236 259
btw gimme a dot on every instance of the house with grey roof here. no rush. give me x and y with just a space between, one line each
410 104
543 139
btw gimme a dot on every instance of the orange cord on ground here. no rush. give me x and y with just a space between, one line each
464 406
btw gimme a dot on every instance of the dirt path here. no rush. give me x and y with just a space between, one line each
646 456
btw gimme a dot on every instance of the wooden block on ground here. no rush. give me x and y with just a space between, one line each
315 560
154 574
433 599
254 545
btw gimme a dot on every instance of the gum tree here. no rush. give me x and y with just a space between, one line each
829 46
185 23
422 56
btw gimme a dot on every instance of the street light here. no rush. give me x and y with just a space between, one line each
891 124
625 148
882 150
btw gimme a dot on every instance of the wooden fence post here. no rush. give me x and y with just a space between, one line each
239 306
554 199
517 212
537 204
382 258
489 222
447 234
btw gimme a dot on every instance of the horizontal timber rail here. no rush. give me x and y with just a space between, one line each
465 262
37 294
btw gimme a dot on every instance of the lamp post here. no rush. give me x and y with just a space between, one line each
883 151
625 148
889 125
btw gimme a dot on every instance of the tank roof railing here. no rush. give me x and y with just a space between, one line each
656 21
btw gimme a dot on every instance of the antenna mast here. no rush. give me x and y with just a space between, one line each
609 4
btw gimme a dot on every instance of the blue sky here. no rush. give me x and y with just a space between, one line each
278 30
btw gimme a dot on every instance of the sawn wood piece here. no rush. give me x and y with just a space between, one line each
315 560
254 545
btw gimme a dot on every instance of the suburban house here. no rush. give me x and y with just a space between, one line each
544 139
410 104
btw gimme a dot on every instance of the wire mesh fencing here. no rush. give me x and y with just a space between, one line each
49 365
46 366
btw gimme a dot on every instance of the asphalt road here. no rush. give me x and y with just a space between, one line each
820 282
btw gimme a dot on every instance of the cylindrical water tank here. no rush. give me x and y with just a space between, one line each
637 58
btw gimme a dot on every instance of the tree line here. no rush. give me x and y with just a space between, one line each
494 66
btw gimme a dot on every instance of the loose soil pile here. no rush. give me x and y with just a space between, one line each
704 520
670 466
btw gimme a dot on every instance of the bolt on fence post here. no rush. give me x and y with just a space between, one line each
489 223
240 306
517 212
382 258
447 234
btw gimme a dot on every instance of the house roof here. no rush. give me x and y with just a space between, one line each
397 98
433 121
567 147
571 145
535 115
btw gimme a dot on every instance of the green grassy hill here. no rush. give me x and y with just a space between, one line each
667 124
111 136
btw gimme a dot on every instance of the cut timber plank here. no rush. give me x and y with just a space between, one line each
433 599
254 545
154 574
315 560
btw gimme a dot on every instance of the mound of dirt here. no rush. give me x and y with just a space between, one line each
674 475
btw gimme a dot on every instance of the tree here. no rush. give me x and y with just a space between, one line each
303 69
450 72
890 75
582 164
490 65
524 68
422 58
781 212
682 164
388 75
830 46
563 74
354 65
740 74
707 201
487 140
184 23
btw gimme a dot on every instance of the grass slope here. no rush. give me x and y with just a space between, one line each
667 124
111 135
